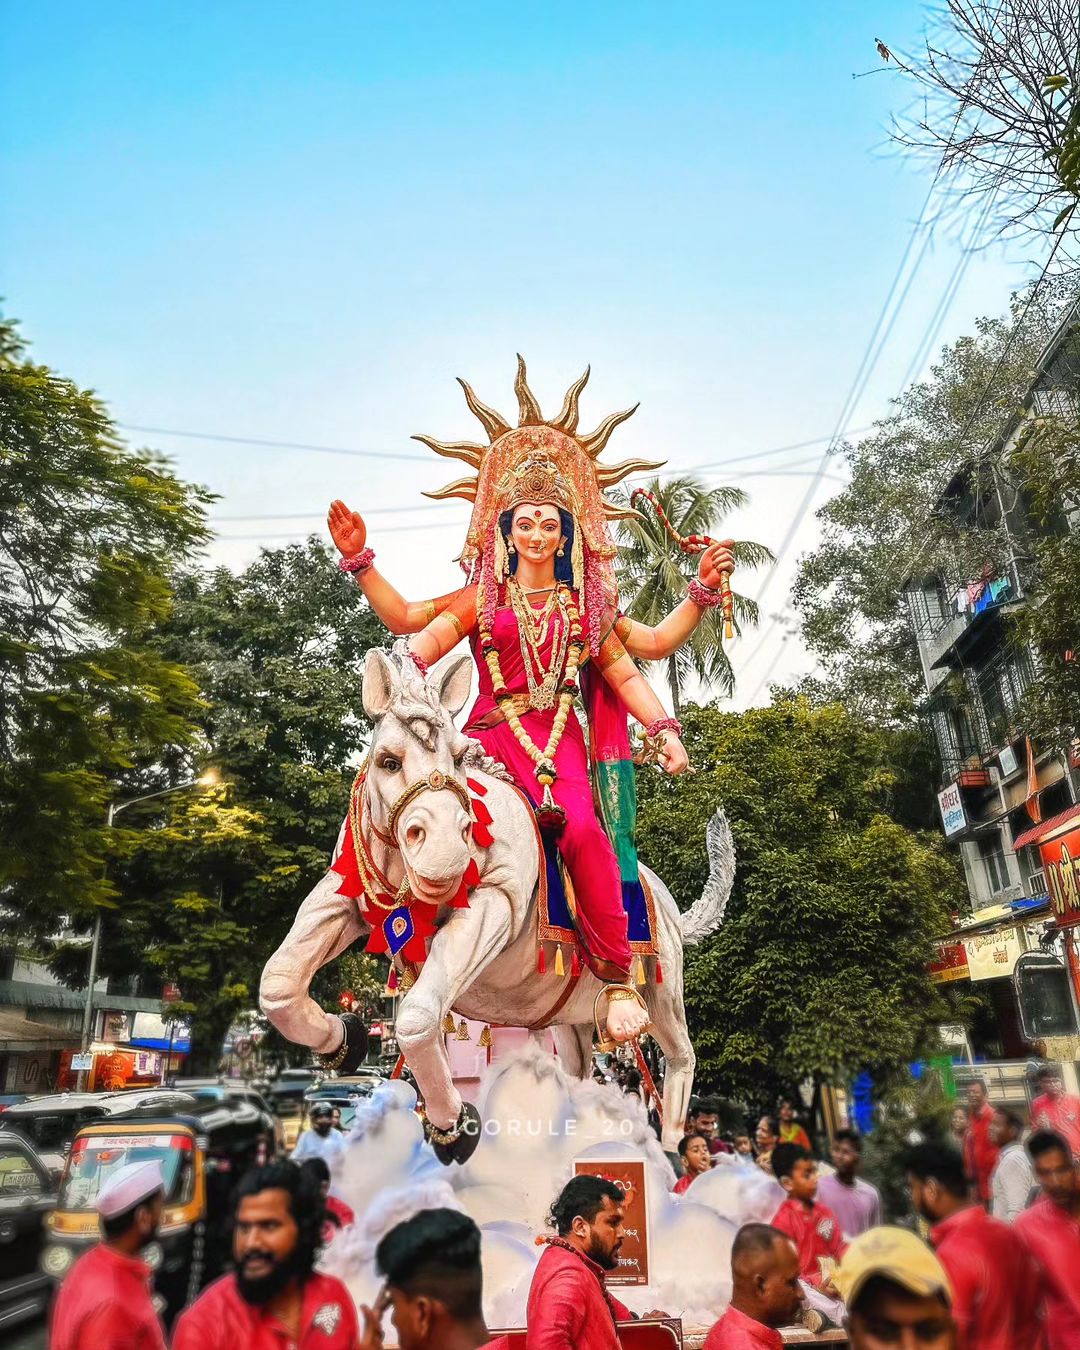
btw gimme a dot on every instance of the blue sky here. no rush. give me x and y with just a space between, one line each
298 223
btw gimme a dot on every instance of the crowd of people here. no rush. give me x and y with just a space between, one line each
977 1280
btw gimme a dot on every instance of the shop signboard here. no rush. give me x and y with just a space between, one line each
953 819
993 955
633 1258
949 962
1060 859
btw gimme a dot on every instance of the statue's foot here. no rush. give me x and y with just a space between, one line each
353 1049
626 1020
457 1144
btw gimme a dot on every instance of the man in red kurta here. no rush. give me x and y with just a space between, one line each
1055 1109
105 1304
812 1226
274 1300
996 1287
1050 1230
980 1151
766 1293
569 1305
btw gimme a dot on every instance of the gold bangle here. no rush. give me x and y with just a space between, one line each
458 626
607 659
430 612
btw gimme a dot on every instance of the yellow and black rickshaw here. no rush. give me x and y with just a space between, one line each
203 1152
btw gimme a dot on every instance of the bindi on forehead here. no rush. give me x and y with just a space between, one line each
529 512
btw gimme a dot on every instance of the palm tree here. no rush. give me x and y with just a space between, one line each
654 572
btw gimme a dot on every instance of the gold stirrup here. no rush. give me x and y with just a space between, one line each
614 991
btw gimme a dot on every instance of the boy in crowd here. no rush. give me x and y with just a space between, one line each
1012 1180
695 1158
812 1226
704 1118
855 1202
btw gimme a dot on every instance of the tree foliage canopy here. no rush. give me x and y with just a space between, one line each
91 534
819 969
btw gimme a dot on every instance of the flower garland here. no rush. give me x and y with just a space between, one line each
550 814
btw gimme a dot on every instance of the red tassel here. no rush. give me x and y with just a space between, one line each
391 983
478 788
481 813
472 874
482 835
541 962
575 962
659 972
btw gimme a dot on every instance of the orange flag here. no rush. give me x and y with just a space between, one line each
1031 802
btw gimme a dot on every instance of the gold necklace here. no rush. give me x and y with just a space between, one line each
533 629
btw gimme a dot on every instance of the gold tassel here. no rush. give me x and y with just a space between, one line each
463 1031
639 972
485 1037
408 978
560 969
577 559
448 1024
502 559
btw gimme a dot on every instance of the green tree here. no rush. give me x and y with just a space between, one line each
819 969
278 653
653 576
91 534
885 526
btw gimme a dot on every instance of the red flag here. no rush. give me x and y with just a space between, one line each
1031 801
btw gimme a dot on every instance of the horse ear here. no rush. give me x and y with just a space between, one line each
454 681
378 686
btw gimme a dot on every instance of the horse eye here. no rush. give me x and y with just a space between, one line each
390 764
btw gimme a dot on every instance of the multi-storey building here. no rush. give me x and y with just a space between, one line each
1010 807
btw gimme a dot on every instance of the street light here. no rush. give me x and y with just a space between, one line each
209 778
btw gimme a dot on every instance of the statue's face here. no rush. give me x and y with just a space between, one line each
536 530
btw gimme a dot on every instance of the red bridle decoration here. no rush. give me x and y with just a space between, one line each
692 543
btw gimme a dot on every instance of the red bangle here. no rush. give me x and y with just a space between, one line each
357 562
704 596
664 724
419 662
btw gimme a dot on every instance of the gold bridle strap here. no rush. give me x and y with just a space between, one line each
434 782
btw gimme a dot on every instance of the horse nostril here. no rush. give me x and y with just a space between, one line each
414 836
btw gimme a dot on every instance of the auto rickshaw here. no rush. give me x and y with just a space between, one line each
203 1152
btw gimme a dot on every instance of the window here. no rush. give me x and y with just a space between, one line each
993 860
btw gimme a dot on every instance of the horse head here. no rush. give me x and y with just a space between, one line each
415 780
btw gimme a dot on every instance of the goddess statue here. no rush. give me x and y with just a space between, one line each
540 611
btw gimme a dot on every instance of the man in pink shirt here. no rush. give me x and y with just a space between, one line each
855 1202
812 1226
1050 1230
994 1281
1055 1109
980 1151
766 1293
274 1299
105 1304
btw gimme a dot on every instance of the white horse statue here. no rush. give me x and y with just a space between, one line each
482 959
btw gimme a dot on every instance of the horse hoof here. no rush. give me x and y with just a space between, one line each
459 1144
356 1043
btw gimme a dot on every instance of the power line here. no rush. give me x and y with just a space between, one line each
277 445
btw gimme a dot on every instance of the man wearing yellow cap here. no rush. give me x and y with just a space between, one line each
104 1304
897 1293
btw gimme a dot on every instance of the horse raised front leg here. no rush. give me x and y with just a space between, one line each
459 952
325 925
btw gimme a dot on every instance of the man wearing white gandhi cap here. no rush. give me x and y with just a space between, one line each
104 1304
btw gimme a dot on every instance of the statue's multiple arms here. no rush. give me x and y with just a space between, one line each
401 616
638 699
654 644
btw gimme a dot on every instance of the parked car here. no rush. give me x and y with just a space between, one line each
231 1089
343 1093
50 1123
204 1150
27 1196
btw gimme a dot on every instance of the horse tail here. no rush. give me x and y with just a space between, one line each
706 914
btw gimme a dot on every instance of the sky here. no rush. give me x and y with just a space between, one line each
298 224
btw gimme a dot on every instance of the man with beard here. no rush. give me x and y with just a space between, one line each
569 1306
322 1140
274 1298
1050 1230
104 1304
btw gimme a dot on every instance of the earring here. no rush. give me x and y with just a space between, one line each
510 545
561 552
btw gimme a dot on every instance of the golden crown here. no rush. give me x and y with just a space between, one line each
535 479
